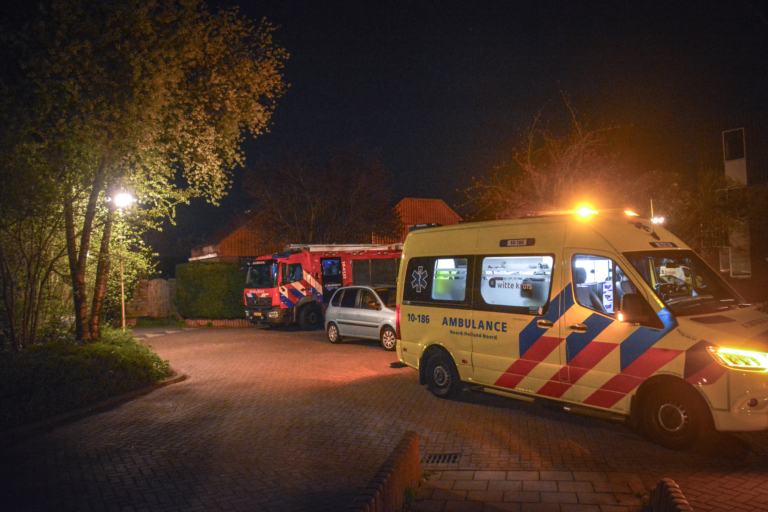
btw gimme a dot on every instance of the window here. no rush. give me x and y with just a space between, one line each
521 283
262 274
733 144
599 283
349 298
368 300
331 267
437 280
387 296
685 284
336 301
292 273
450 279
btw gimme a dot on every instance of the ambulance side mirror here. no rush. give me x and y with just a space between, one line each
633 309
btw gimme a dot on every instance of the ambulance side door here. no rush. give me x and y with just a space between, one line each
593 351
516 314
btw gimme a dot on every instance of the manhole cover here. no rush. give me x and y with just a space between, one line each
440 458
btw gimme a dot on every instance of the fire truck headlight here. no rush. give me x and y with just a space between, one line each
272 314
740 359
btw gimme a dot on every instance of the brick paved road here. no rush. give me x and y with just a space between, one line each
285 421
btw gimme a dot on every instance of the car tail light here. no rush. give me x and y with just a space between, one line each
397 321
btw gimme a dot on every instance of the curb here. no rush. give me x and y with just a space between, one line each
201 322
39 427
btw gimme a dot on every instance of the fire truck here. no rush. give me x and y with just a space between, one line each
296 285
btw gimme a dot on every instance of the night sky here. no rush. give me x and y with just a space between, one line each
442 90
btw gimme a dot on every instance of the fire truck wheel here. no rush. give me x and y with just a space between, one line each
333 334
388 339
309 317
443 379
675 416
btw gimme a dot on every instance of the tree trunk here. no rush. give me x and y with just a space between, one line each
78 281
78 260
102 275
8 299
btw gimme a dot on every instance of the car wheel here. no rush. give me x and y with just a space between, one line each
442 376
388 339
309 317
675 417
333 334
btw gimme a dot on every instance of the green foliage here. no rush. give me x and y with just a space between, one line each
138 263
149 96
210 290
53 378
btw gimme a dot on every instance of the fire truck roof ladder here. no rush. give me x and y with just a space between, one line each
343 247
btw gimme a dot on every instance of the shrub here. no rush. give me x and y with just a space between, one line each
52 378
210 290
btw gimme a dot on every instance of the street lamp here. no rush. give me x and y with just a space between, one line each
122 201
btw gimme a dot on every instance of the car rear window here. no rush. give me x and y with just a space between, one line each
387 296
349 299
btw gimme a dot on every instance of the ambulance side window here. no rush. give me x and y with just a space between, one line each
517 284
437 280
450 279
599 283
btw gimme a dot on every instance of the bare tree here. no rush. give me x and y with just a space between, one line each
308 198
553 171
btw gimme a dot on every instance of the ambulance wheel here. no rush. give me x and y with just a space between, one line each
333 334
675 417
442 376
388 339
309 317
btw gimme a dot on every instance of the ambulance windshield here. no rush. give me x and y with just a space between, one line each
262 274
685 284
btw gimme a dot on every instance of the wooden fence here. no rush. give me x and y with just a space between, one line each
152 298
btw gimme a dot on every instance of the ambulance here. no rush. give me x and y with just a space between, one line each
606 313
296 285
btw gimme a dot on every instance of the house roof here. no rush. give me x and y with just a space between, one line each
225 232
423 211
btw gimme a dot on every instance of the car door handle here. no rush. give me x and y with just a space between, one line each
544 324
578 327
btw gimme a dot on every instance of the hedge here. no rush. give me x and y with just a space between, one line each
210 290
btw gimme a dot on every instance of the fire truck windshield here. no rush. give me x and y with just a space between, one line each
262 274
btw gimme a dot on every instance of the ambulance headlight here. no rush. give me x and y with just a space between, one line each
740 359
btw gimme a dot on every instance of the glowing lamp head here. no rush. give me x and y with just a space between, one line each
658 220
585 211
631 214
123 199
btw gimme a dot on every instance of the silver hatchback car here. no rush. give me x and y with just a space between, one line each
362 312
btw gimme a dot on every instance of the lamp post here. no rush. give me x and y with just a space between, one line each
122 200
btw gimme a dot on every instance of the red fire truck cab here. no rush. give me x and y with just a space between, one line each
296 285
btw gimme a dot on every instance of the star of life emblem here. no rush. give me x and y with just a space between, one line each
419 279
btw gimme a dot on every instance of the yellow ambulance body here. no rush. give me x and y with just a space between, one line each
607 313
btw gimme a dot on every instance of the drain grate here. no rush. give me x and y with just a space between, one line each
436 459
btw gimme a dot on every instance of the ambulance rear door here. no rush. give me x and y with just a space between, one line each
516 306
